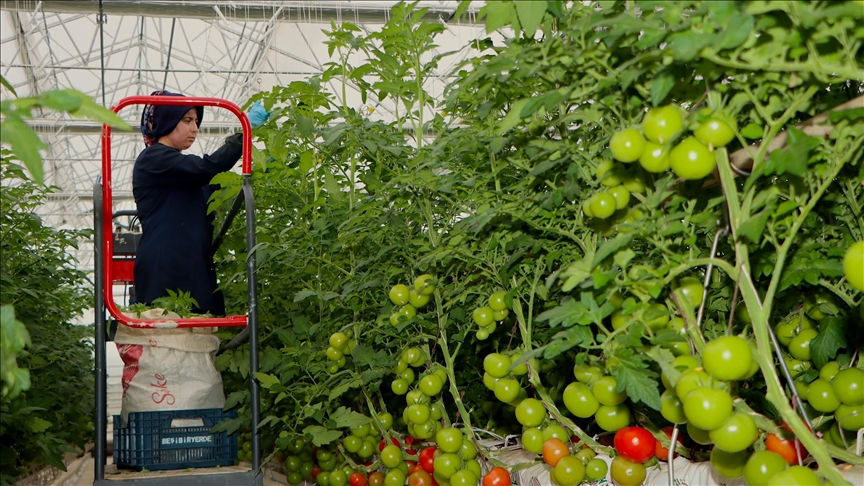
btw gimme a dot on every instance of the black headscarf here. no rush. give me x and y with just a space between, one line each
160 120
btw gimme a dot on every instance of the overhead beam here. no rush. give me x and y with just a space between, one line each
245 12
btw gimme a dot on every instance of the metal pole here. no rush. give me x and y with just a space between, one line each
101 421
252 322
102 48
168 59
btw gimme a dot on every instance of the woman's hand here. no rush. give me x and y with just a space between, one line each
257 114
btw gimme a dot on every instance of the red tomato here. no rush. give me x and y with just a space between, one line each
410 440
427 457
661 452
635 444
785 447
357 479
315 471
411 452
383 444
497 476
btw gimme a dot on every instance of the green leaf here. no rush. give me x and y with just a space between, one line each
90 110
347 418
498 14
851 114
531 13
38 425
685 46
663 357
830 340
661 85
567 339
635 378
738 30
752 131
8 86
514 116
339 390
753 227
575 273
810 270
25 145
568 313
321 435
610 247
266 380
307 161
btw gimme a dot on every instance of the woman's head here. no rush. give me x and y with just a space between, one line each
160 122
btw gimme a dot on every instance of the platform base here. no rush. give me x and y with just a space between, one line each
215 476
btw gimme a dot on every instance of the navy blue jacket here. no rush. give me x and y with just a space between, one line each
171 191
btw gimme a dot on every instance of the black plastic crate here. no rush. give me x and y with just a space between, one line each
160 440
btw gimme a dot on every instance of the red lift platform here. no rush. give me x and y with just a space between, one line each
114 264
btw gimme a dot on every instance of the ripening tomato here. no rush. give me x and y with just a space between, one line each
786 447
661 452
635 443
497 476
553 450
376 478
420 478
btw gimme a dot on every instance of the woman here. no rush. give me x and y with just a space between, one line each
171 191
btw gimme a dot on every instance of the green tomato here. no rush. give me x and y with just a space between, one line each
424 284
555 431
707 408
612 418
634 183
655 158
605 391
367 450
603 205
386 420
799 347
468 451
447 464
507 389
418 413
407 312
391 456
692 160
618 319
627 145
829 371
848 385
729 464
850 417
662 123
790 326
569 471
691 380
621 195
671 408
714 132
399 386
352 444
333 354
482 316
660 322
699 436
532 440
407 375
497 302
338 340
627 473
464 477
496 364
762 466
489 381
431 385
609 173
681 363
736 434
727 358
395 477
338 478
323 478
586 455
587 373
520 370
500 315
399 294
579 400
417 300
822 397
795 476
853 265
692 289
596 469
482 334
449 440
530 412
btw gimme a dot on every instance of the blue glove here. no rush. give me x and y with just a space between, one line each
257 114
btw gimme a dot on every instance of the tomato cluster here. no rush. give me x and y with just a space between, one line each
341 346
409 299
488 316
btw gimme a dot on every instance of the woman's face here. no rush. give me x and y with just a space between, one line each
184 133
